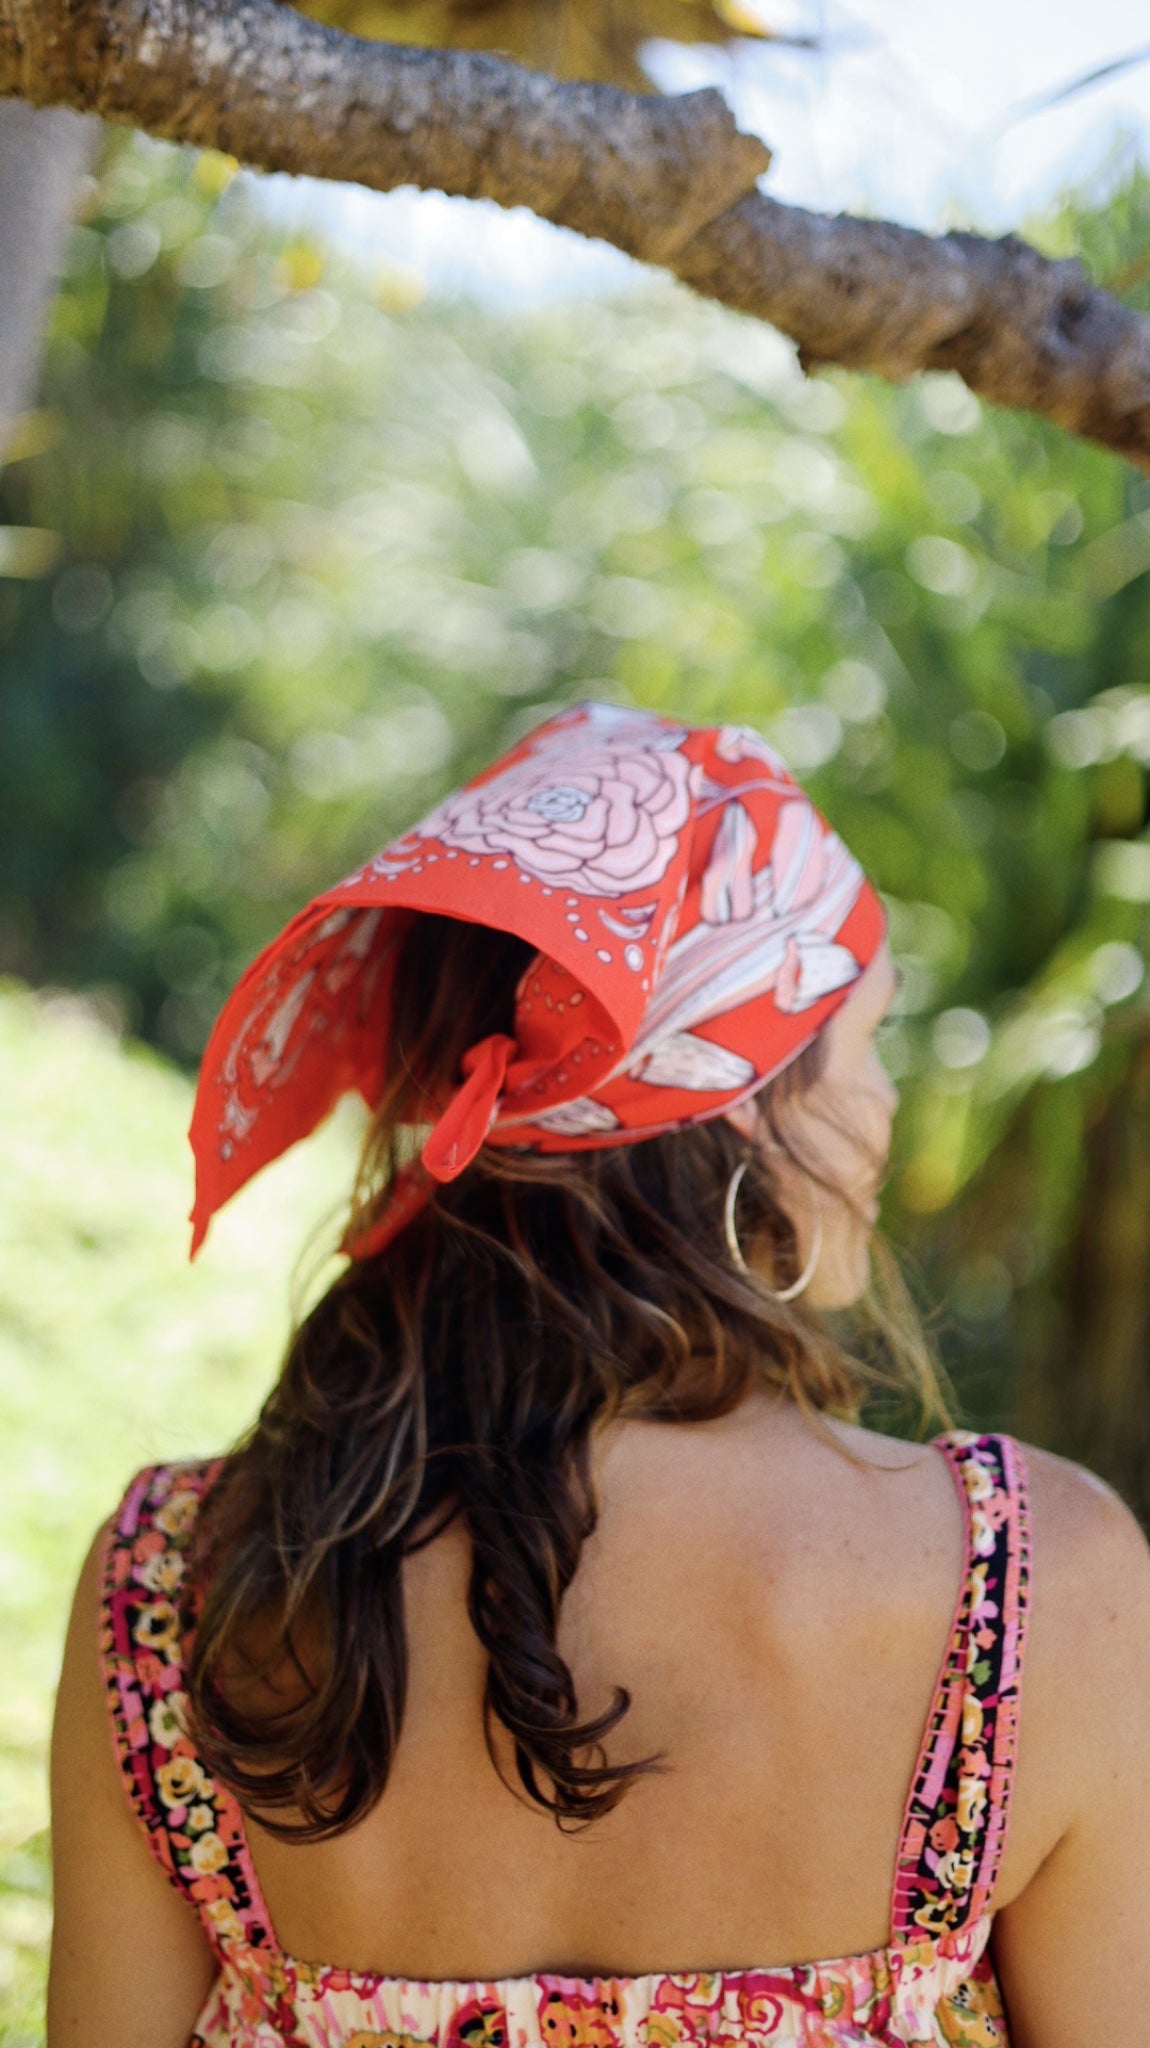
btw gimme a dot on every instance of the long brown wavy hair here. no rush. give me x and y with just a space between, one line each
463 1373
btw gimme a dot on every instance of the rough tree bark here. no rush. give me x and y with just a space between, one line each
671 181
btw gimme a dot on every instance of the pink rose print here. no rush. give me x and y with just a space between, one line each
600 820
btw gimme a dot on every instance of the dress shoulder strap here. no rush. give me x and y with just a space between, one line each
193 1825
959 1803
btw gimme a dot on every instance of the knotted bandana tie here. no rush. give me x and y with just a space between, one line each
696 923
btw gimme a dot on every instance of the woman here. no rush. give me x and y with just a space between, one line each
557 1660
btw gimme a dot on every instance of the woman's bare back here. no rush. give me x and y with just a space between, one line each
778 1615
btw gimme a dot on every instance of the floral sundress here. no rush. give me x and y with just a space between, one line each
932 1984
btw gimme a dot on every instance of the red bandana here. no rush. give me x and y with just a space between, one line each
697 923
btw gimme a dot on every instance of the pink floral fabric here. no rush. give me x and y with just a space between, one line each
931 1986
605 820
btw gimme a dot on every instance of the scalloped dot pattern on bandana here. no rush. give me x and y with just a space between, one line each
696 922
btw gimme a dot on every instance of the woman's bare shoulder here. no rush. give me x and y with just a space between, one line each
1089 1552
1081 1523
1087 1657
1090 1576
1074 1890
884 1453
1074 1486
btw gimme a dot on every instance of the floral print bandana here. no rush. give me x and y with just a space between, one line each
697 922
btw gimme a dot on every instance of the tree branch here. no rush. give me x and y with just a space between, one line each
671 181
256 79
1021 330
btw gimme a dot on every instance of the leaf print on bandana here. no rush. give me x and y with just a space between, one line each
686 1061
727 891
743 743
577 1119
704 975
813 968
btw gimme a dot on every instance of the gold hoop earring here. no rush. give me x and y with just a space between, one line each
796 1287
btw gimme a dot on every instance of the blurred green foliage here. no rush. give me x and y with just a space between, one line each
114 1353
287 549
25 1929
287 552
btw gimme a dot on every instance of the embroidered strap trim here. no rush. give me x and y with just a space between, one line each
193 1825
959 1803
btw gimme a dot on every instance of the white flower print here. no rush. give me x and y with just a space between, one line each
161 1573
208 1854
157 1627
224 1919
167 1719
178 1513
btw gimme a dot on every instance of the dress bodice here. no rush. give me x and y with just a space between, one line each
931 1984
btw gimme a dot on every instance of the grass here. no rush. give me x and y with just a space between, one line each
114 1353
